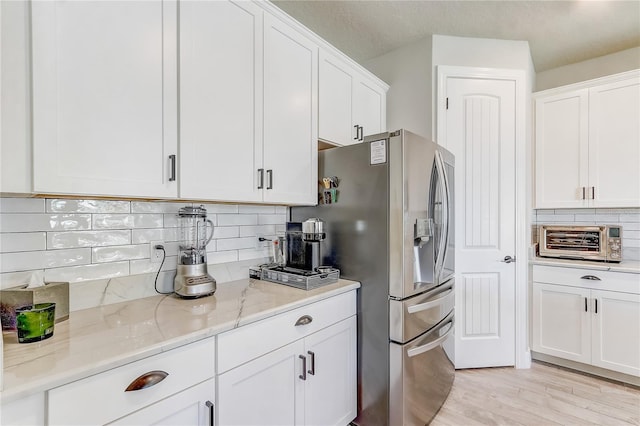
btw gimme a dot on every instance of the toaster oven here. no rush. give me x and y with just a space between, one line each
596 242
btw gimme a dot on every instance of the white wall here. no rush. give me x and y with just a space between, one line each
408 71
625 60
15 134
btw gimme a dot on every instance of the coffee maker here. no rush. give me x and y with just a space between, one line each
303 244
192 279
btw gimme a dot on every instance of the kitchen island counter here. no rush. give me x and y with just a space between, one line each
97 339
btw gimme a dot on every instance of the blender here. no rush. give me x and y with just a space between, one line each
192 279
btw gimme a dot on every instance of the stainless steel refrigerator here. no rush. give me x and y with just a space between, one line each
389 225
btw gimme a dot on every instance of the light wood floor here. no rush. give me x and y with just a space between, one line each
542 395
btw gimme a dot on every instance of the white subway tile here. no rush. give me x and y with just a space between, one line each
139 236
603 219
590 218
14 279
630 253
156 207
170 248
282 210
281 229
145 265
226 232
630 235
545 211
626 242
127 221
87 206
236 243
27 241
631 217
221 208
630 226
57 240
237 219
222 257
117 253
253 254
30 222
630 210
271 219
95 271
575 211
30 260
544 218
170 220
21 205
254 231
256 209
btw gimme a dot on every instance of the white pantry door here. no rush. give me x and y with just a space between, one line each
480 131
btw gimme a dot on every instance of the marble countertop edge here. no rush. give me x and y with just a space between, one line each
628 266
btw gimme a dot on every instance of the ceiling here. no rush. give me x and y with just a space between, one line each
559 32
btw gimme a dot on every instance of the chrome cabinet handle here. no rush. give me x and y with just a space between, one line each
593 192
585 305
357 132
596 306
312 370
361 138
269 179
212 412
260 178
584 191
590 277
304 320
147 380
303 376
172 168
508 259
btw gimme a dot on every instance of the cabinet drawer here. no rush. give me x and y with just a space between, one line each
587 278
243 344
102 398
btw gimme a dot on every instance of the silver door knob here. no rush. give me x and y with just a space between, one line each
509 259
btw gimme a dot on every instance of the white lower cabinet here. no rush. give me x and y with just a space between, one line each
312 380
584 323
175 387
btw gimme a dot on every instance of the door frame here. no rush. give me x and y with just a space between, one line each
522 184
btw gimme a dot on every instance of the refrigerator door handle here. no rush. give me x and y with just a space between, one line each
430 304
444 238
434 343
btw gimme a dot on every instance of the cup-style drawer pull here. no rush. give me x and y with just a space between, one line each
590 277
304 320
147 380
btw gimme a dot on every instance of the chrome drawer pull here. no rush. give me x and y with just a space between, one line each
303 376
312 370
590 277
147 380
304 320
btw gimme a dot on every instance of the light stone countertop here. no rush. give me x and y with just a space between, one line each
97 339
628 266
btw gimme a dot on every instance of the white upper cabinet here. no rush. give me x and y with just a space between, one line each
220 100
290 115
351 105
588 144
104 98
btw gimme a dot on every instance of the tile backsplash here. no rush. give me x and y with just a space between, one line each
628 218
87 241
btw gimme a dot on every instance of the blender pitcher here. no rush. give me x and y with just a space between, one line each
195 231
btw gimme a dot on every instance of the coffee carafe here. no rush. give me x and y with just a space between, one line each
195 232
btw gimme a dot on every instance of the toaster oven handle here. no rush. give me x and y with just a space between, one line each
590 277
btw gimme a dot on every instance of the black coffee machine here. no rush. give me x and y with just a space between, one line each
303 244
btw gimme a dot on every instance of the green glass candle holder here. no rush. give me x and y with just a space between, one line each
35 322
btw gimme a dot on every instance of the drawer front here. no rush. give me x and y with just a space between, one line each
102 398
243 344
588 278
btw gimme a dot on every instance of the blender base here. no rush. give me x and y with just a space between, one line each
193 281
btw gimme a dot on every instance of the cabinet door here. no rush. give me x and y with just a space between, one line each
561 144
616 331
561 322
265 391
220 100
191 407
104 97
290 115
335 87
369 108
331 390
614 144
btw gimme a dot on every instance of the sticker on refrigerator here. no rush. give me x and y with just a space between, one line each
378 151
